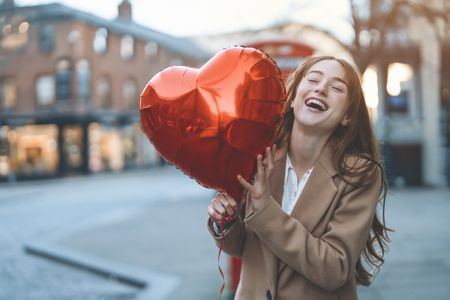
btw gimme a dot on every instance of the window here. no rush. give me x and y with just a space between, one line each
151 49
83 78
101 40
46 37
130 94
63 78
400 88
103 92
127 47
8 93
75 42
45 90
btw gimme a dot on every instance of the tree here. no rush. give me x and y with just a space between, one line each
374 20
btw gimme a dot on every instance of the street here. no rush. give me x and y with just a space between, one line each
146 229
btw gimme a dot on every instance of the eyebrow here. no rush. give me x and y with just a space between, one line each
334 78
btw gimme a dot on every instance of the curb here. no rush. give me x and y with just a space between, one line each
153 285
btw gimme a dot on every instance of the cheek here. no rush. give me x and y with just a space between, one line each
295 101
299 95
342 103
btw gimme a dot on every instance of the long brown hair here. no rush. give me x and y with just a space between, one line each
356 139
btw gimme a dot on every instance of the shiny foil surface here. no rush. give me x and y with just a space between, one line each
212 122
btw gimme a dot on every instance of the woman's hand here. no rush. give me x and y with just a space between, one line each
223 208
259 191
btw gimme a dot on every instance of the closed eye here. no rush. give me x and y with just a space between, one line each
313 80
338 89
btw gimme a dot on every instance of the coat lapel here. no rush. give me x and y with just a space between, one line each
318 192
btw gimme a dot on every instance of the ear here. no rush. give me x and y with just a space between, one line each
345 121
292 104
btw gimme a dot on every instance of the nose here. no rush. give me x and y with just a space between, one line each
321 88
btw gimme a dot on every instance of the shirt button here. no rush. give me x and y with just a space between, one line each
268 295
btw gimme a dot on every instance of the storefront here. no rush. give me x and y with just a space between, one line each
32 150
66 148
118 148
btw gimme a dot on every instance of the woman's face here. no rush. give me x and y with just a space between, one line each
321 99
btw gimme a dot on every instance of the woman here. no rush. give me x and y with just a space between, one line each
309 219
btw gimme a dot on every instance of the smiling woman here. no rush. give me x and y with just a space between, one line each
308 220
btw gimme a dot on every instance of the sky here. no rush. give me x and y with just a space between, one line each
201 17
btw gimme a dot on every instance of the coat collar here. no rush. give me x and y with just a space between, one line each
325 159
318 191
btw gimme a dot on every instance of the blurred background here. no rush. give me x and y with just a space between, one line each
88 209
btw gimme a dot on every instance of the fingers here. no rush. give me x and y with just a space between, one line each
274 150
269 156
269 159
221 206
260 170
230 205
244 183
214 214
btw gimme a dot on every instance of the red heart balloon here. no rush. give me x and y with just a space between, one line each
212 122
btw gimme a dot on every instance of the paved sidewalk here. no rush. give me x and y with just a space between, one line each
171 238
418 264
146 226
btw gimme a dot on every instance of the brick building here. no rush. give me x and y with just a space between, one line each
69 88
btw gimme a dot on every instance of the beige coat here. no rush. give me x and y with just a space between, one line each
311 254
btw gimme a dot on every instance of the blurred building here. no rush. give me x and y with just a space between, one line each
69 88
288 44
410 72
407 83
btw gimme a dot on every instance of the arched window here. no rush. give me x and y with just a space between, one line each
127 47
46 37
83 78
45 90
8 93
101 40
130 93
63 78
151 49
103 92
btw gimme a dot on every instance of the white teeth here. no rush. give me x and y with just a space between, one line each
314 103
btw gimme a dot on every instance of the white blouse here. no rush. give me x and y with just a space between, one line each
292 187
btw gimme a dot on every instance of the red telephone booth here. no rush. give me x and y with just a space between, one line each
287 54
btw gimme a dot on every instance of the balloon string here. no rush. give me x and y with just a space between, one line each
222 244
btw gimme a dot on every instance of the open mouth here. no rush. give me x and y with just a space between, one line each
316 104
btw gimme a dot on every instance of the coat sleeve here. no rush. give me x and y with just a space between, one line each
232 239
328 261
